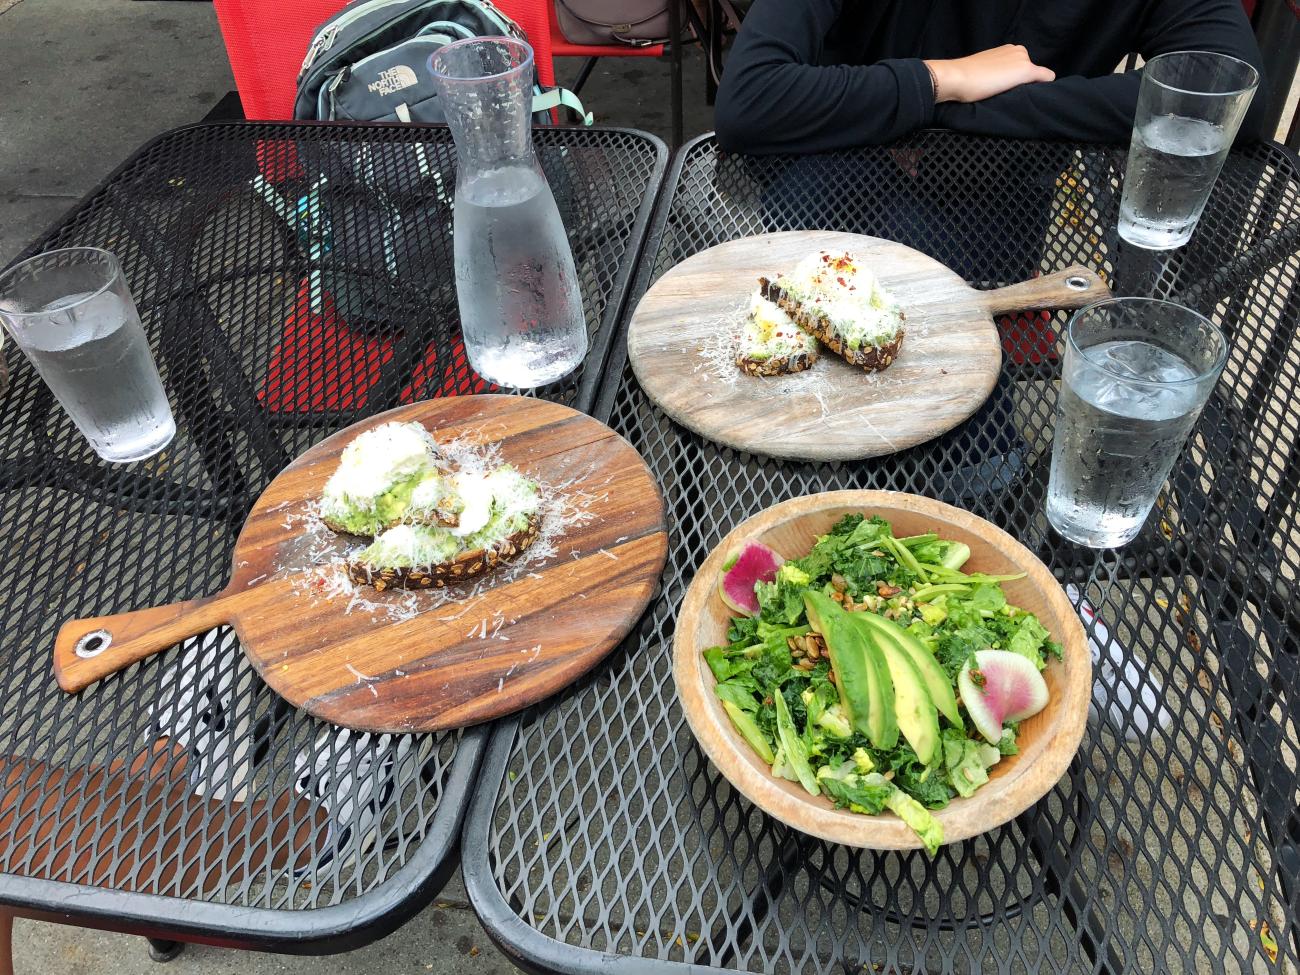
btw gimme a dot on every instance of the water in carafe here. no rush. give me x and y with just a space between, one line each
516 284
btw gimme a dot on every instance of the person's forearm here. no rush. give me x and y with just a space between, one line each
777 96
815 109
1075 108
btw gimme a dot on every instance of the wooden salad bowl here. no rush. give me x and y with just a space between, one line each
1048 740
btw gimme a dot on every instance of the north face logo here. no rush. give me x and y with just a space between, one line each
393 79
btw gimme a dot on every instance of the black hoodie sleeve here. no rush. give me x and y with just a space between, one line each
776 96
1102 109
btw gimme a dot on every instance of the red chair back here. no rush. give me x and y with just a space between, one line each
266 41
531 17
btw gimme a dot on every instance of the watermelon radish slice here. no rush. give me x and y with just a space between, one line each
745 567
1001 686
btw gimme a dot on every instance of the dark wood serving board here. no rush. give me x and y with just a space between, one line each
450 657
683 332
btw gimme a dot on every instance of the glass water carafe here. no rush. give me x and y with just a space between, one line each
520 306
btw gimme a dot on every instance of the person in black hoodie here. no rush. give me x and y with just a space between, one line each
813 75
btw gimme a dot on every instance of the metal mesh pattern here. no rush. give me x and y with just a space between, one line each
1173 844
185 776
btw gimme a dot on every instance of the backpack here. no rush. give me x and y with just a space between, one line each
370 61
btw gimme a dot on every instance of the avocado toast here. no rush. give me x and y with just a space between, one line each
772 344
838 301
499 519
388 475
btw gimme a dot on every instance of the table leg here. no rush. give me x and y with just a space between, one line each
675 54
6 943
161 951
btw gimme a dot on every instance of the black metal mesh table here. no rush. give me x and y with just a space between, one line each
292 279
600 838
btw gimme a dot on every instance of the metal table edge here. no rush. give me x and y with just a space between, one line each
618 356
520 942
377 912
594 374
661 152
323 930
525 946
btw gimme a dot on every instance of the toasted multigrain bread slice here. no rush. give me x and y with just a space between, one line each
872 358
465 565
771 343
777 365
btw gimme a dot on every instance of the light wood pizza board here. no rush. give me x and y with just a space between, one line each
459 658
681 341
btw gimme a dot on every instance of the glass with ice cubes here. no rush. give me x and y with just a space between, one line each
1189 108
1136 373
72 315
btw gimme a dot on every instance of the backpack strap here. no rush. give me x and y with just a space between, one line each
554 98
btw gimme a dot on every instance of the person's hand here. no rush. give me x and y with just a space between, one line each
985 74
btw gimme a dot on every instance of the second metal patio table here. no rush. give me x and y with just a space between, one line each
292 279
601 840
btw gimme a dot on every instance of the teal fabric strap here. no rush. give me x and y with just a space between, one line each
556 97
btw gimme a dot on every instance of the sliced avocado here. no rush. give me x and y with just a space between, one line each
821 611
918 719
749 730
883 718
936 681
848 657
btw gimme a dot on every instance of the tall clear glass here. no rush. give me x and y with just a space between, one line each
1189 108
520 305
72 315
1136 374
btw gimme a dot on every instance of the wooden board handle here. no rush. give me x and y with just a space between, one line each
1074 287
87 650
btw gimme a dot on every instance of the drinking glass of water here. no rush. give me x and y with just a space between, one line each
1189 108
72 315
1137 372
516 284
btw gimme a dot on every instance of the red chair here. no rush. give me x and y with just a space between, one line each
267 40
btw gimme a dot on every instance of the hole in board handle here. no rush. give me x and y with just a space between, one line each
93 644
1076 282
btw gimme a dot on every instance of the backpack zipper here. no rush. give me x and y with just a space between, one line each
325 39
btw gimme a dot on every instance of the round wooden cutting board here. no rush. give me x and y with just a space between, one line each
683 334
420 661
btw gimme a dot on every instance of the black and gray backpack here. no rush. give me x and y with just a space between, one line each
370 61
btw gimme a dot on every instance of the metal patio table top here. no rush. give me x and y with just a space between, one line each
601 839
292 278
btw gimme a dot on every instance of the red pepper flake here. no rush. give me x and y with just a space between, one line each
842 283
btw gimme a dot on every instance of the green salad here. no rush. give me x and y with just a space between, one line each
876 673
